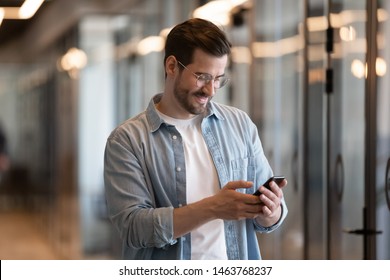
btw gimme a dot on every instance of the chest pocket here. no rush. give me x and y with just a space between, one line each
243 169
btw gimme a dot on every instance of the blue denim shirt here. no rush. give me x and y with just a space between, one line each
145 179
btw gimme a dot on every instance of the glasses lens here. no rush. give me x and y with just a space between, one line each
205 79
220 82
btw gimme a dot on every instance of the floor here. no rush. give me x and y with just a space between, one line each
21 239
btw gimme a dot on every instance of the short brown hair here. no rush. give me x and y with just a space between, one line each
196 33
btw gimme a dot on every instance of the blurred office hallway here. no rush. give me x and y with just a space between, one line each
311 74
22 239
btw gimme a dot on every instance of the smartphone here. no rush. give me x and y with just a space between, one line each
276 179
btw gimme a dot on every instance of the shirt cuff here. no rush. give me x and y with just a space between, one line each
263 229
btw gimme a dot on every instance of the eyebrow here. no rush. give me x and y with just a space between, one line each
203 73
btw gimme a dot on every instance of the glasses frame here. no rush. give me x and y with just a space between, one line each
206 78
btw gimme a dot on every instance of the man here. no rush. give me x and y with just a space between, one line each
180 176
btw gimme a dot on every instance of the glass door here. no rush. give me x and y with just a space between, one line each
345 129
358 134
322 109
276 98
382 174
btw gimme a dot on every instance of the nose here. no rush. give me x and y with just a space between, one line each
209 88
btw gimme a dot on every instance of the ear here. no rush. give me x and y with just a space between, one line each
171 65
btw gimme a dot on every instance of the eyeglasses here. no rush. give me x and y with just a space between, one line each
204 79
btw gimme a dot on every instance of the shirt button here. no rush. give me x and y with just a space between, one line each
174 137
178 169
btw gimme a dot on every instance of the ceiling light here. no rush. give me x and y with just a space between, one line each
218 11
29 8
26 11
72 62
1 15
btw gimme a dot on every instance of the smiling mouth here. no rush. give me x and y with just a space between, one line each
201 98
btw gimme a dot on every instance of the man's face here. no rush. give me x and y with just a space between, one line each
191 97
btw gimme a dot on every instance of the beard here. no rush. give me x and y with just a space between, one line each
187 99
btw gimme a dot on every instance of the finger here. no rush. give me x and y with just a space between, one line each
272 198
270 203
269 192
283 183
234 185
253 209
266 211
276 189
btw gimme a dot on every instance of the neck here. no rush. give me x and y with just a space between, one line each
168 107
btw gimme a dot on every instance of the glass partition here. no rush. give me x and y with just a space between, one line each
383 134
346 133
277 87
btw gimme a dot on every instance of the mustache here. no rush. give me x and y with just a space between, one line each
202 94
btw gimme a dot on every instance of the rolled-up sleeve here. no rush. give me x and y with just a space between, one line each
130 198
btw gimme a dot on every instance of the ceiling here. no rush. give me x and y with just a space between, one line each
10 29
22 40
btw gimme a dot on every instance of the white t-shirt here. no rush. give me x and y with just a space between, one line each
207 241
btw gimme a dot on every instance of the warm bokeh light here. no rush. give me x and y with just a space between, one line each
218 11
1 15
278 48
347 33
29 8
73 61
381 67
359 69
241 55
150 44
